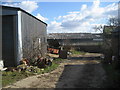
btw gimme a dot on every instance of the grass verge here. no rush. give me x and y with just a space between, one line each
74 52
9 77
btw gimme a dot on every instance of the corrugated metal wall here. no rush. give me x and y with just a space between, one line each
34 36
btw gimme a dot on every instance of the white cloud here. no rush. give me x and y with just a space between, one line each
96 4
85 19
28 6
41 17
54 27
75 21
73 12
9 1
84 7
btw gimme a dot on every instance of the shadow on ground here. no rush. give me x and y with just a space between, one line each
85 75
85 58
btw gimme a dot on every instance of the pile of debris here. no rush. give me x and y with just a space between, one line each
36 66
53 50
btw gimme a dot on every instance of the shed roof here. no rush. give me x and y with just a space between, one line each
73 36
17 8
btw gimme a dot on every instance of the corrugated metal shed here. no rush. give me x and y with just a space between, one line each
21 33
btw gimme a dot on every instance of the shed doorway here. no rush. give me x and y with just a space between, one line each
8 38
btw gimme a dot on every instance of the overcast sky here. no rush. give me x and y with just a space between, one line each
69 17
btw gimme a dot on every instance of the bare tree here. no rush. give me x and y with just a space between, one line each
32 48
98 28
113 22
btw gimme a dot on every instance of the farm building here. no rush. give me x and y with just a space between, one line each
111 43
82 41
116 43
23 35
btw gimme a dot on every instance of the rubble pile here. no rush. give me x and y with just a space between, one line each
36 66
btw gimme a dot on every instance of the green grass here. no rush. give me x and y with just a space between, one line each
77 52
58 60
54 65
50 68
113 75
9 77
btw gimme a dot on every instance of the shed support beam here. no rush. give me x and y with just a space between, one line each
20 52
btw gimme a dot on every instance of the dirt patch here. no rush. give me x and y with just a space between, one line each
53 55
